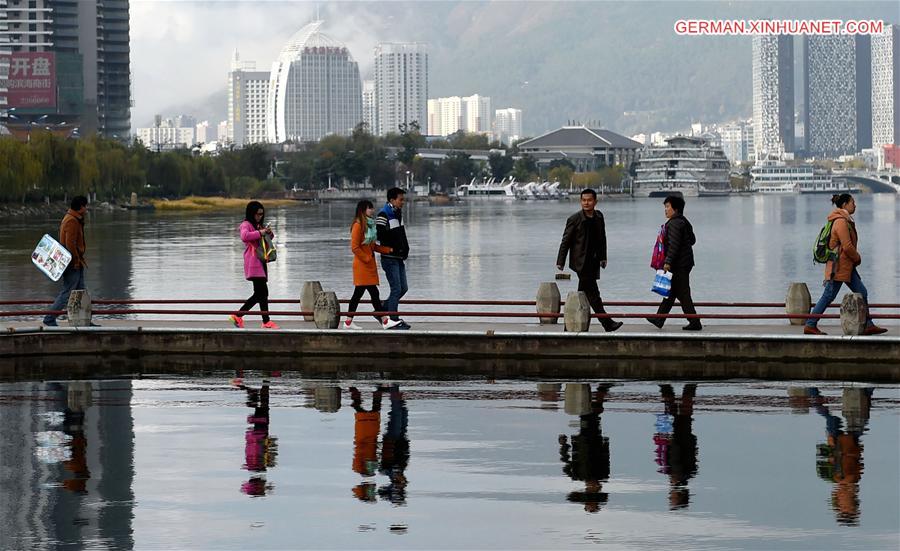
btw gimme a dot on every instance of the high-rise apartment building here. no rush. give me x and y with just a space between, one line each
737 141
469 114
508 125
773 95
314 89
479 116
368 104
248 96
70 63
886 87
446 116
401 86
834 103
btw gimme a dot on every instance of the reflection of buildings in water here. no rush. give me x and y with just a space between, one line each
110 254
260 449
676 444
394 450
548 394
585 456
68 454
839 458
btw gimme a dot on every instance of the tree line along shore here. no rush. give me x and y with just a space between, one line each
49 168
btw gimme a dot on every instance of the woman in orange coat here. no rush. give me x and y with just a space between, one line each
843 269
365 270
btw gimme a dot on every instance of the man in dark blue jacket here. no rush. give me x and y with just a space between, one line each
392 233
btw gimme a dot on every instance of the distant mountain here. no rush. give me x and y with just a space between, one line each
619 63
212 108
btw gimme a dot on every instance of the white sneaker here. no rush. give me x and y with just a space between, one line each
348 324
390 324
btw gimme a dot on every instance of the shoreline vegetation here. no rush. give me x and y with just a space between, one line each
193 203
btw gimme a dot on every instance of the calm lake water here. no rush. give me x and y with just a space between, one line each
749 249
264 460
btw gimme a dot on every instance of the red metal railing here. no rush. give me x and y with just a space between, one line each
436 314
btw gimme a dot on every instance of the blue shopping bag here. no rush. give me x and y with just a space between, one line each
662 283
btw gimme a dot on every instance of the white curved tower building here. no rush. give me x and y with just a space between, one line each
314 89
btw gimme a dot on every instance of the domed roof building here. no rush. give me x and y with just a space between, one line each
314 88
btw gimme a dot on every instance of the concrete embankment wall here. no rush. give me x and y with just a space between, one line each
464 352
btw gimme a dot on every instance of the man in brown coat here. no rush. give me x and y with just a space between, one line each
71 236
584 241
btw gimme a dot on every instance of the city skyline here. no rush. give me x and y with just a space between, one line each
221 27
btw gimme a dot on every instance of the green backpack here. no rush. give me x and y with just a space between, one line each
821 252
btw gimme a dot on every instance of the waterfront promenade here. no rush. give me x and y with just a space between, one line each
776 350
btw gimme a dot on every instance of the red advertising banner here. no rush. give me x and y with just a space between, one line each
32 80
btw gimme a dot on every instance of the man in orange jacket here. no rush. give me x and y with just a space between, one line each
71 236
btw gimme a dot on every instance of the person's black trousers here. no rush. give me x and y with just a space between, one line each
588 285
681 291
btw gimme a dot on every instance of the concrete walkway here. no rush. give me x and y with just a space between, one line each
776 351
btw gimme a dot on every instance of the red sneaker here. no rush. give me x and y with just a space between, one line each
237 321
807 330
270 325
874 330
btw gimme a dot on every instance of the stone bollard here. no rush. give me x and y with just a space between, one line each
134 202
853 314
578 312
548 300
311 289
78 308
326 312
578 398
797 301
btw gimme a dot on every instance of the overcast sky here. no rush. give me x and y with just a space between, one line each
181 49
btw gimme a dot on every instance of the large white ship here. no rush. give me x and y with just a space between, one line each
777 177
688 166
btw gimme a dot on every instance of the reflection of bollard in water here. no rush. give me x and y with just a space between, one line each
78 308
79 395
548 392
853 314
855 406
326 312
548 301
327 399
308 297
578 398
798 301
798 398
578 312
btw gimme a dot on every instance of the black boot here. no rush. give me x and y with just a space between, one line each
658 322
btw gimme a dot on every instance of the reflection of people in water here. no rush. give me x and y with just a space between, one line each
676 445
394 446
366 426
395 449
260 449
587 457
839 459
78 398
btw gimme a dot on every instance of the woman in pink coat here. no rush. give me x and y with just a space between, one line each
252 230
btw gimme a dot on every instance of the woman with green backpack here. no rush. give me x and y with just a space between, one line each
841 267
257 238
